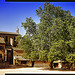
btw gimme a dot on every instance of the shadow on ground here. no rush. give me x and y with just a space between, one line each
22 66
45 68
14 67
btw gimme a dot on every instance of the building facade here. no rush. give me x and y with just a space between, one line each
8 46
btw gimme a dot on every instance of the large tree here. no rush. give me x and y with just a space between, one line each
29 26
53 38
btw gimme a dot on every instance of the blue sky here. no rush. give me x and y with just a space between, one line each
12 14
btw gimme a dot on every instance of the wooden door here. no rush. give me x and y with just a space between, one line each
10 56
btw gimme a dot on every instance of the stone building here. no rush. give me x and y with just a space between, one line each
8 47
9 52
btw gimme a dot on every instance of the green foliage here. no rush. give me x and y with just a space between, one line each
29 26
36 44
71 57
34 55
53 38
26 55
58 51
18 38
43 55
26 45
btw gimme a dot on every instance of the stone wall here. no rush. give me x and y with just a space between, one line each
41 64
18 52
36 63
2 51
10 39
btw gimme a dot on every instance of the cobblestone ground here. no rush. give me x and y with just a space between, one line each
33 70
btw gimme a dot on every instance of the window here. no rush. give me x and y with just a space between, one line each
0 55
1 48
6 39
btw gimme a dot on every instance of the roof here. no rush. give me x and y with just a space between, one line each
8 33
57 61
20 58
2 40
17 48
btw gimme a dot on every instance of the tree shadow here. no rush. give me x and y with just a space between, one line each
13 67
46 68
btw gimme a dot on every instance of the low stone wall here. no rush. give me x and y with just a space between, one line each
41 64
36 63
4 65
29 63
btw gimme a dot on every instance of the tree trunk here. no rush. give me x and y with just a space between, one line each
51 65
32 63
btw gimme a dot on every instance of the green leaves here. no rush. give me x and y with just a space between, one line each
57 51
34 55
43 55
70 58
18 38
29 26
25 44
36 44
53 38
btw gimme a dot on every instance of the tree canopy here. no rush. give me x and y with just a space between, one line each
53 38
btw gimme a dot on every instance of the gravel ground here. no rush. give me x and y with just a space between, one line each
33 70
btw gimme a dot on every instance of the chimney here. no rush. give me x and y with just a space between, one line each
17 30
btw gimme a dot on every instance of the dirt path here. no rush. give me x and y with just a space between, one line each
32 70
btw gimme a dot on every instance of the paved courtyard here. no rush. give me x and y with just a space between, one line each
33 70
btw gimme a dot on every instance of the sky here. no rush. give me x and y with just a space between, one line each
12 14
